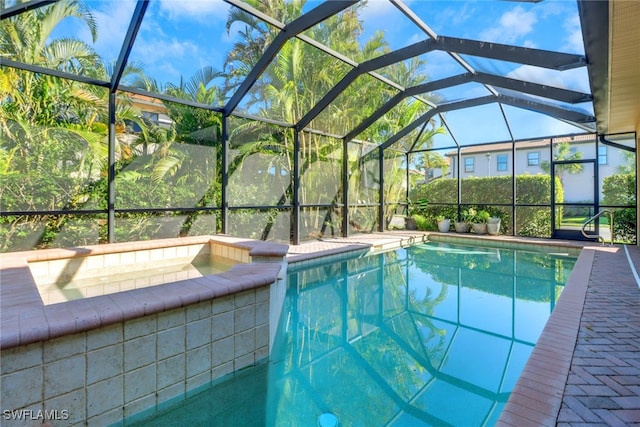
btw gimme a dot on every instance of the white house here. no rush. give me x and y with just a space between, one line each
530 156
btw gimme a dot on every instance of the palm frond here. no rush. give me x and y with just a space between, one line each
168 165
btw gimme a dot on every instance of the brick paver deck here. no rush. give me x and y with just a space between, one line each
603 386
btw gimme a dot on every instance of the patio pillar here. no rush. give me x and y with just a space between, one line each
111 173
295 220
381 188
225 174
345 188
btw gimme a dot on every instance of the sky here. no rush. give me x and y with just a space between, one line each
177 38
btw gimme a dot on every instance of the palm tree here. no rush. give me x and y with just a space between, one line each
291 86
302 75
51 140
430 160
43 118
54 131
563 153
27 38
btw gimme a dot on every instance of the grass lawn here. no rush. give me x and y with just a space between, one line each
577 221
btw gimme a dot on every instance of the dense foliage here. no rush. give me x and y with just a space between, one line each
620 190
532 191
167 178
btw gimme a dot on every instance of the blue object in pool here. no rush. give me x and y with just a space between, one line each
327 420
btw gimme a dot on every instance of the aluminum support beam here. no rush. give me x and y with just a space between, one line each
169 98
296 189
594 21
111 172
381 189
440 109
53 72
364 68
423 88
522 55
225 175
558 94
24 7
550 110
556 112
313 17
345 188
127 44
550 92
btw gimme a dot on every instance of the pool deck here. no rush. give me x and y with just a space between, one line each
585 368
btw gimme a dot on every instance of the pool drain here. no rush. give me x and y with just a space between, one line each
327 420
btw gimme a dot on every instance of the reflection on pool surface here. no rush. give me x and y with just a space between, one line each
434 334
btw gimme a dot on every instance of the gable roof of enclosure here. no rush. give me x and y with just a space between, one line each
497 87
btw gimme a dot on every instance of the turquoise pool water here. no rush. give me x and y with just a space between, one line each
434 334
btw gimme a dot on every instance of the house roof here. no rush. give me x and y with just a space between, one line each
506 146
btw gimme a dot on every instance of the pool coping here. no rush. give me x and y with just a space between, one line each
25 319
537 395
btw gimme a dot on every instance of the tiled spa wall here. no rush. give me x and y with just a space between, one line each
115 371
46 272
102 375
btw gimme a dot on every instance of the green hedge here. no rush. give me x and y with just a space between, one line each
486 193
620 190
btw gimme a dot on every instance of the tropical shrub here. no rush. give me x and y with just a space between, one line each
491 192
423 223
620 190
624 225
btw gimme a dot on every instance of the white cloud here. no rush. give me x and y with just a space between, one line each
382 15
415 38
171 45
573 43
574 79
514 25
377 9
167 59
152 52
112 26
441 65
195 9
553 8
452 17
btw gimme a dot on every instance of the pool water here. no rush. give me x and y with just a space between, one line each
433 334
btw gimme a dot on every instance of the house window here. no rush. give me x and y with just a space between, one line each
502 162
468 164
533 158
602 155
150 117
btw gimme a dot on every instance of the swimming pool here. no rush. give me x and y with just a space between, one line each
433 334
